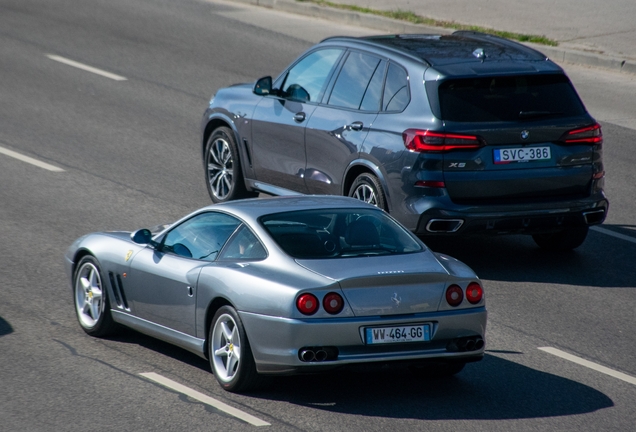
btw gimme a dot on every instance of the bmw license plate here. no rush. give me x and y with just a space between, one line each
528 154
413 333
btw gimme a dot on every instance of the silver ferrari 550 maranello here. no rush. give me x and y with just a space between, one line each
296 284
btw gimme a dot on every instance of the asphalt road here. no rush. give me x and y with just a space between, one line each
126 154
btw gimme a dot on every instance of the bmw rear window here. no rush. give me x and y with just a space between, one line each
508 98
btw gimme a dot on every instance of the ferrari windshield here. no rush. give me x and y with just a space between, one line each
336 233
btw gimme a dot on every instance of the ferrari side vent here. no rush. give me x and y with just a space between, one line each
118 290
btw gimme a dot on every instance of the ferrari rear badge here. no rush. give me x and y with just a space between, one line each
397 300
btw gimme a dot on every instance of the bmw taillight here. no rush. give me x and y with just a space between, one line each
333 303
474 293
454 295
431 141
585 135
307 304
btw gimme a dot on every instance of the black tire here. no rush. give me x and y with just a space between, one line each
223 173
230 353
90 297
564 240
367 188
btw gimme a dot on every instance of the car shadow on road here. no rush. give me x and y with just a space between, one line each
5 327
516 258
493 389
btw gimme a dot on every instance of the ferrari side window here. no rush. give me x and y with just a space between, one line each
243 246
201 237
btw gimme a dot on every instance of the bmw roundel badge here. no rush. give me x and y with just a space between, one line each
525 134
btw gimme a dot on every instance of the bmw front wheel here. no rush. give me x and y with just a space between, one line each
230 353
224 176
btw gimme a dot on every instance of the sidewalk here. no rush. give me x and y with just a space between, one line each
588 32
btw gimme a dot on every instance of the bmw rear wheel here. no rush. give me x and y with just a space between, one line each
230 353
367 188
91 300
564 240
224 176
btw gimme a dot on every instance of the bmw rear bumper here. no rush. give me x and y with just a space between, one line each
441 216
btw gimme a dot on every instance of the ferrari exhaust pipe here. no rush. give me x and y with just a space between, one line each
321 355
307 355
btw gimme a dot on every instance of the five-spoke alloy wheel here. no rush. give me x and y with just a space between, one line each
230 353
91 301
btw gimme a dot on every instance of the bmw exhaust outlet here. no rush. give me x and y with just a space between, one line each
444 225
594 216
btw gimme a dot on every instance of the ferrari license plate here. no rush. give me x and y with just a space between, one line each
410 333
528 154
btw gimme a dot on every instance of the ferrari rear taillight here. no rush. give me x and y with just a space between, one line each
333 303
474 293
431 141
307 304
586 135
454 295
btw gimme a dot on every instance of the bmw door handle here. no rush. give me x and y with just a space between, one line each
299 117
355 126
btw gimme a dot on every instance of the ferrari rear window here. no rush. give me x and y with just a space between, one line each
508 98
339 233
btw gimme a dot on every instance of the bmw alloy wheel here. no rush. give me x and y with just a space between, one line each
220 168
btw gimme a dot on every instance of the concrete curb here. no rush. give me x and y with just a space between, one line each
559 54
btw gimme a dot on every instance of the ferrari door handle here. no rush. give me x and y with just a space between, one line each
355 126
299 117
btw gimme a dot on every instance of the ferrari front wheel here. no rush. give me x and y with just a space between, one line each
230 353
91 300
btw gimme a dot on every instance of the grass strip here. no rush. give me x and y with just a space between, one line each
417 19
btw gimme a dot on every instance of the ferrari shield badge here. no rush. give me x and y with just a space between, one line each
128 255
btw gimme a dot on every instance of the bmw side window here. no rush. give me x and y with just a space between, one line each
305 81
200 237
358 83
396 91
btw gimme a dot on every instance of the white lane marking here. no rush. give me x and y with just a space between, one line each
614 234
589 364
86 67
30 160
205 399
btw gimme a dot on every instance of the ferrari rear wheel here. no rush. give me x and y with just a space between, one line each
224 176
564 240
230 353
91 300
367 188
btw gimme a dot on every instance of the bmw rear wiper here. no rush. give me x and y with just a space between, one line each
534 114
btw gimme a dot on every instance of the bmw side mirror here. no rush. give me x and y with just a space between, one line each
142 236
263 86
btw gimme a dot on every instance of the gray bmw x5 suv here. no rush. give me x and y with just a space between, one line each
455 134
